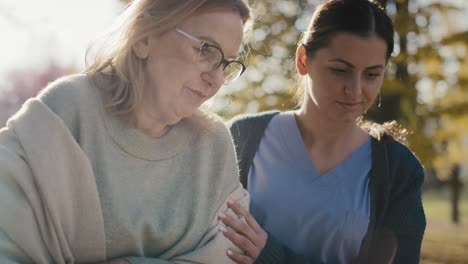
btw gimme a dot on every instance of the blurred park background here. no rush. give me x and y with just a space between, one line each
426 85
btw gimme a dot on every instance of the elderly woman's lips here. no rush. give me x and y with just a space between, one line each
197 93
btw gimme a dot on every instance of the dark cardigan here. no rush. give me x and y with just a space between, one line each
397 220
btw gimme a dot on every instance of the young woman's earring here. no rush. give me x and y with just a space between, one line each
380 101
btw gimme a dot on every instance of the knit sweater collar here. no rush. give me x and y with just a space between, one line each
139 145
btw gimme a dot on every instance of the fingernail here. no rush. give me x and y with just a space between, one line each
223 229
230 202
229 252
222 215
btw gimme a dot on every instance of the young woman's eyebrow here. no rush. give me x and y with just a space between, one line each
352 66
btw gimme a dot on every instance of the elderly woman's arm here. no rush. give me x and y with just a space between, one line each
214 245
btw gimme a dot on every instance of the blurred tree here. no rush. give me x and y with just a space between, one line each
24 84
442 70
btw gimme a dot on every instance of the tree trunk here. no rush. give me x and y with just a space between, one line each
455 185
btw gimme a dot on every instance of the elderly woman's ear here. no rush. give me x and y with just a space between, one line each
142 48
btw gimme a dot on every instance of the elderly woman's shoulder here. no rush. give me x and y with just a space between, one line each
209 124
66 90
215 123
72 98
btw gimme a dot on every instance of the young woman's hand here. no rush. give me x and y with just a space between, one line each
247 235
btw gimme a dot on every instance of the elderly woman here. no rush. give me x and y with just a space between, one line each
121 163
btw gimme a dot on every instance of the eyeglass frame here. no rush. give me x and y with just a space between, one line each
223 61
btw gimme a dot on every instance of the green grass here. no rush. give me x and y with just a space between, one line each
444 242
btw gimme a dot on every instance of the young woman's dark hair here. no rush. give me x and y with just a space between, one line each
360 17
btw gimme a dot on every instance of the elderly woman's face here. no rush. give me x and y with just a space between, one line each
176 86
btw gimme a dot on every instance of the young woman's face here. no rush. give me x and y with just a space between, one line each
176 87
346 75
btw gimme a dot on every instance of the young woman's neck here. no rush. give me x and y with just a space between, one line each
319 131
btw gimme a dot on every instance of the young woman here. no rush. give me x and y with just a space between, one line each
121 163
325 188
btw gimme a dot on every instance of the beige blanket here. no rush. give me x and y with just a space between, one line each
48 197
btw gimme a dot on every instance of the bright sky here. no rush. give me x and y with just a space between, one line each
35 32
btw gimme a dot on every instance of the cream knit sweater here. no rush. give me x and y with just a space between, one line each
79 186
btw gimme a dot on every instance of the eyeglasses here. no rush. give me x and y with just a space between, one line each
211 57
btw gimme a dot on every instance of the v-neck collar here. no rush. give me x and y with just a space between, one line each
294 145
